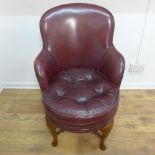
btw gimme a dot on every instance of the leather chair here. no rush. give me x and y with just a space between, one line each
79 70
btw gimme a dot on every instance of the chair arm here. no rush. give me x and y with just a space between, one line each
112 66
45 68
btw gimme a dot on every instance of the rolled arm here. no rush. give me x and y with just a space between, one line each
113 65
45 68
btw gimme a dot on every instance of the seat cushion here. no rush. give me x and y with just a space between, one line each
80 100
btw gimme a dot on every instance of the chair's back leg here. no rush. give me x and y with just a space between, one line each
105 132
52 129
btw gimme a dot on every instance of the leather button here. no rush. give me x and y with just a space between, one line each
68 79
99 91
60 92
88 77
81 99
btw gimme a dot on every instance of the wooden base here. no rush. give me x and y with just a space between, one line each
103 135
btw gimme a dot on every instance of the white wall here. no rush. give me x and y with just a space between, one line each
20 39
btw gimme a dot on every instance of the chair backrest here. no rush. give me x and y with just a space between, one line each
77 35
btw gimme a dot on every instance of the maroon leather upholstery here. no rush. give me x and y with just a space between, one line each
79 70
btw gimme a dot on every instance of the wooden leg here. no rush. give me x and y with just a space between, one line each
105 132
52 129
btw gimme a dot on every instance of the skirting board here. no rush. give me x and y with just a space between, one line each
24 85
132 85
20 85
1 88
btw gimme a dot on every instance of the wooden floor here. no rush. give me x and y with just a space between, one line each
23 130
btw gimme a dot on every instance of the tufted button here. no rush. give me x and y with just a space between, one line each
99 90
88 76
68 78
81 99
60 92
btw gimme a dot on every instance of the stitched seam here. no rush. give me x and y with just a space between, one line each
103 57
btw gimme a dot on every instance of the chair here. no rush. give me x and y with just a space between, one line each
79 70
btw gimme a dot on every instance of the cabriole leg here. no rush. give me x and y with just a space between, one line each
52 129
105 132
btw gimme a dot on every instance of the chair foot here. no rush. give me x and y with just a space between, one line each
105 132
52 129
54 143
102 147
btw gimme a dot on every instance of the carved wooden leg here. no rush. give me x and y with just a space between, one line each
105 132
52 129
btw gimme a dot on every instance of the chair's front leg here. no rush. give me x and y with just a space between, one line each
52 129
105 132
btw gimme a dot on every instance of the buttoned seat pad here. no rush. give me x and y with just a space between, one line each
80 96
